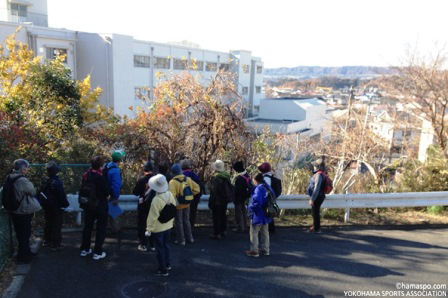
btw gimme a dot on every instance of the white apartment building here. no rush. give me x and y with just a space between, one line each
122 65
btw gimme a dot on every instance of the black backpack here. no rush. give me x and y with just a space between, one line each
228 190
44 196
9 201
271 210
276 185
167 213
249 187
87 193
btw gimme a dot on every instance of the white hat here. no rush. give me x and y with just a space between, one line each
218 166
158 183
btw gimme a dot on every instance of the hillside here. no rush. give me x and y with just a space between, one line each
320 71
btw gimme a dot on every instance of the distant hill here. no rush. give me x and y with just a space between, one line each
320 71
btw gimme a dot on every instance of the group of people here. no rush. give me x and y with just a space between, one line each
165 199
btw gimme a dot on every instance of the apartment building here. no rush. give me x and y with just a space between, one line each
122 65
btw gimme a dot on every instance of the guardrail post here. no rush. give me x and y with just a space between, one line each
347 215
78 218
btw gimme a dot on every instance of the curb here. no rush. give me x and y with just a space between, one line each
19 276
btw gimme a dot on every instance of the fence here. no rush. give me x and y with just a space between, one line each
342 201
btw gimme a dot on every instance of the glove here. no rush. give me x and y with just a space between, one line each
147 233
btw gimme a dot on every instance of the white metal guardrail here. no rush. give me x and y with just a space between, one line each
341 201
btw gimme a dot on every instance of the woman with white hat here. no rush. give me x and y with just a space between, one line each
160 230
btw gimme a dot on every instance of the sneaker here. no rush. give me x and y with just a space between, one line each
85 252
216 237
179 242
161 273
152 248
251 253
318 232
56 248
311 230
142 248
264 253
45 244
190 241
168 267
98 257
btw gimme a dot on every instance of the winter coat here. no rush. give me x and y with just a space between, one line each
24 191
241 188
54 187
217 192
316 187
257 204
114 180
175 188
153 224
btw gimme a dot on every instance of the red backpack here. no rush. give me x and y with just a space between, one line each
328 188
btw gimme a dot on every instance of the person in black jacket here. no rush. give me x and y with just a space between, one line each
98 214
243 191
54 203
141 190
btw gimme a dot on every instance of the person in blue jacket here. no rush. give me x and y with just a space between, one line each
259 221
112 173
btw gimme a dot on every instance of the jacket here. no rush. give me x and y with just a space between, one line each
153 224
24 190
316 187
55 188
241 188
217 191
175 188
257 204
114 180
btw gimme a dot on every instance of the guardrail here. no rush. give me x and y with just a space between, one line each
340 201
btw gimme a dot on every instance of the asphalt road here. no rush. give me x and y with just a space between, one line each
300 265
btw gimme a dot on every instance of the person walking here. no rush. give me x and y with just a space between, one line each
23 192
54 203
188 172
243 192
221 193
177 187
94 181
274 183
112 173
316 192
161 231
259 222
142 191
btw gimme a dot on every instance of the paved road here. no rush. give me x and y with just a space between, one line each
301 265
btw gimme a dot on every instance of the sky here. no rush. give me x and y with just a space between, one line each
284 33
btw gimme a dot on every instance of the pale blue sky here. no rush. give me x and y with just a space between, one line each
283 32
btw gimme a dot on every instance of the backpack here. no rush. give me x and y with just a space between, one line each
250 186
186 196
328 188
167 213
271 209
9 201
276 185
87 193
228 191
106 170
43 196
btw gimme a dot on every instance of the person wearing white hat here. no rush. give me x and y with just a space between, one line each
160 231
221 193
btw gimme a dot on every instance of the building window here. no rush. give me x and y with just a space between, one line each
53 53
141 93
259 69
141 61
245 90
224 66
179 63
246 68
258 89
196 65
19 10
211 66
163 63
